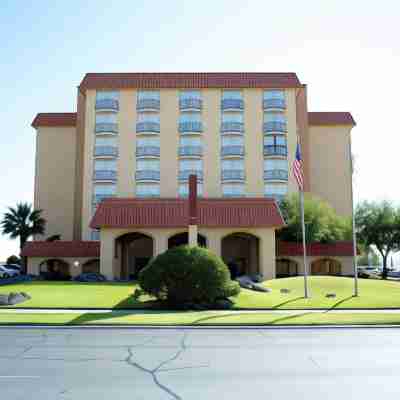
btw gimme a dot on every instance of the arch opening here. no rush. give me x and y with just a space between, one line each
326 266
182 238
286 268
55 269
91 266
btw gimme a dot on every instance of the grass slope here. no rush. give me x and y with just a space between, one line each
373 294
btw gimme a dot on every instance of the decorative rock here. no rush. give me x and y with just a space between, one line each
90 277
330 295
260 288
13 298
285 291
257 278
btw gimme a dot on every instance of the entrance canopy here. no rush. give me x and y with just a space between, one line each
174 213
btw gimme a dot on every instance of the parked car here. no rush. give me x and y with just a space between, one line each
15 267
7 272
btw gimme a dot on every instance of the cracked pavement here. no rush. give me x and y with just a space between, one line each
90 363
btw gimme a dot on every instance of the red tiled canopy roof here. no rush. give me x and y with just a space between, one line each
315 249
190 80
54 119
330 118
61 248
174 213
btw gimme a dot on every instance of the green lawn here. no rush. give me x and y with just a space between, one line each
373 294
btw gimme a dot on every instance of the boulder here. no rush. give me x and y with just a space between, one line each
260 288
330 295
13 298
285 291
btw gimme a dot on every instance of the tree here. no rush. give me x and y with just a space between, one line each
22 222
368 255
378 224
322 222
13 260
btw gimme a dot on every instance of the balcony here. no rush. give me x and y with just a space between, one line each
107 105
233 175
227 151
233 195
106 151
275 126
278 150
147 175
184 175
232 127
106 127
148 105
190 126
105 175
147 151
187 151
274 104
97 198
190 104
276 175
148 127
232 104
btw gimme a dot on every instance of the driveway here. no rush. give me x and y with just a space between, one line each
89 363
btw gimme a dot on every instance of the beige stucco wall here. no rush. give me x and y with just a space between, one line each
55 179
330 166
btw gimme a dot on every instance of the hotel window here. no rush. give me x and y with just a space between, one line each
106 141
232 141
148 165
274 117
184 189
231 95
190 95
277 191
232 164
107 95
233 190
274 94
232 117
275 164
105 165
148 95
148 117
190 117
192 165
103 191
275 140
190 141
147 190
148 142
106 118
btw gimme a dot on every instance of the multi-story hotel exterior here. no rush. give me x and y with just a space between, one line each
112 178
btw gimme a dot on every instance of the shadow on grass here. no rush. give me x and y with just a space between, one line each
337 304
287 302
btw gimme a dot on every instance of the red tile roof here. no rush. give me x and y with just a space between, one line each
315 249
168 213
189 80
54 119
330 118
61 248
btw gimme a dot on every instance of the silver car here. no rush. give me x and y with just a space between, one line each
7 272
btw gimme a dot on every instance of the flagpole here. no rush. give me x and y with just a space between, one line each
303 228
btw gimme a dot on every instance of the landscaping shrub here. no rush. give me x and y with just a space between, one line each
188 275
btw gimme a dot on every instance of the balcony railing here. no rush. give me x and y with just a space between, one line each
232 150
97 198
190 104
107 104
149 127
106 127
232 104
277 150
233 195
275 126
277 104
147 151
147 175
106 151
148 104
184 175
105 175
276 175
190 150
190 126
233 175
230 126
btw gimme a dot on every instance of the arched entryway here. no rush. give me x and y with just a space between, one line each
286 267
326 266
134 250
241 253
91 266
55 269
182 238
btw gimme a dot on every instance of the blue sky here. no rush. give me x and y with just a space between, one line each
348 53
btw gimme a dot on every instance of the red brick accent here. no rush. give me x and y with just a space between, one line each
61 248
54 119
314 249
193 200
330 118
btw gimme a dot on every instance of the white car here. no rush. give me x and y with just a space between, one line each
7 272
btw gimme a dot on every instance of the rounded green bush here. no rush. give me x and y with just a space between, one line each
188 274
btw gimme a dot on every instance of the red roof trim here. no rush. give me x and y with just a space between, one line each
315 249
190 80
174 213
330 118
54 119
61 248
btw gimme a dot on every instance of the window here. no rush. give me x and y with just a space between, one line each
104 190
148 141
107 95
232 117
95 235
106 118
276 190
105 165
274 94
278 140
232 164
190 141
148 95
190 94
274 164
148 165
195 165
233 190
147 190
106 141
184 189
232 141
190 117
148 117
274 117
232 95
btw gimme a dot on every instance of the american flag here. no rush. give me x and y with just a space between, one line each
298 168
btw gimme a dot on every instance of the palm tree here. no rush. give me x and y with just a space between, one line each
23 222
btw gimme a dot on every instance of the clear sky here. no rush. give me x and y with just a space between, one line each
348 52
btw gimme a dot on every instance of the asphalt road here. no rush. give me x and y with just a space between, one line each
199 364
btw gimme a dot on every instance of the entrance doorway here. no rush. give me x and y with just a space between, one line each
326 266
183 238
